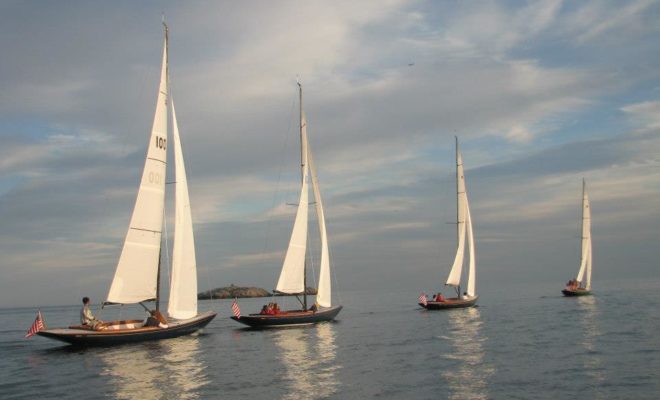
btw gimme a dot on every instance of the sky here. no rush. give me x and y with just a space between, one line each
541 94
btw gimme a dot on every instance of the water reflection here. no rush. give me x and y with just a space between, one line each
468 378
185 367
133 371
164 369
309 358
589 322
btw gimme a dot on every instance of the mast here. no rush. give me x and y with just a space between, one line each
454 278
167 79
302 178
158 285
458 217
293 277
458 233
582 240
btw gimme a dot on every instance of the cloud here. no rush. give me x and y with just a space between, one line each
256 258
646 114
595 19
538 94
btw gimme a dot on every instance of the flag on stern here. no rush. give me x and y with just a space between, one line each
235 309
422 299
37 326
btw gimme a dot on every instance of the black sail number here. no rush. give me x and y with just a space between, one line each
161 143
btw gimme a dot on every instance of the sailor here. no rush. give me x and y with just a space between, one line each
86 317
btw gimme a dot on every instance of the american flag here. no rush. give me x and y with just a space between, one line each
37 326
422 299
236 309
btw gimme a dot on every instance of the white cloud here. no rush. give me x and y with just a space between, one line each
646 114
515 77
596 19
241 260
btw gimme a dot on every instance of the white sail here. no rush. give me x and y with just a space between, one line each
461 198
135 278
183 286
585 259
472 273
324 294
292 277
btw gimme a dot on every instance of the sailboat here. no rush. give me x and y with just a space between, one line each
137 276
293 276
464 229
581 286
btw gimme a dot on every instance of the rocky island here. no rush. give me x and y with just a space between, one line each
233 291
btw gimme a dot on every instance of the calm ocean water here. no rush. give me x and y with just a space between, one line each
520 343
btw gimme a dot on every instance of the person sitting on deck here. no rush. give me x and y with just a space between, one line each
264 310
276 309
439 297
154 319
314 307
86 317
270 310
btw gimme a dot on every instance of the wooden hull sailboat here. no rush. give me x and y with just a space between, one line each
576 292
129 331
453 302
293 277
464 231
581 285
289 318
137 276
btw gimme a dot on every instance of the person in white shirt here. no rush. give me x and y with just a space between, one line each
86 316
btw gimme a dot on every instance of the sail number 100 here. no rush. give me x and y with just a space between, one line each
161 143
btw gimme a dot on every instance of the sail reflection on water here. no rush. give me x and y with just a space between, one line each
167 369
184 366
468 378
593 367
310 366
326 356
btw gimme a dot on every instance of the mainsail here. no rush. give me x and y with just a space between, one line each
183 287
292 277
585 259
136 275
464 228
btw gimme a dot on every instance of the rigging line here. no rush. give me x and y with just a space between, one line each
279 179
